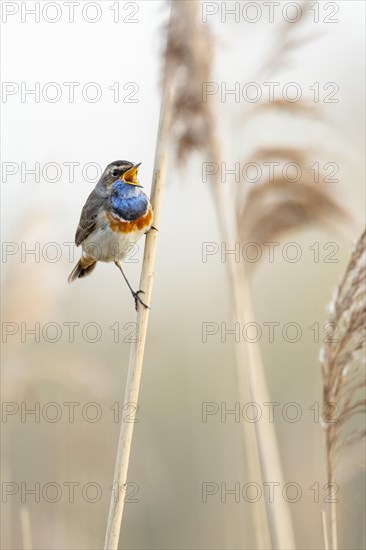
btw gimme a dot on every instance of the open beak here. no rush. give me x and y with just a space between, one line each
130 176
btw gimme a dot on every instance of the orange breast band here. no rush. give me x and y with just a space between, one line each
129 226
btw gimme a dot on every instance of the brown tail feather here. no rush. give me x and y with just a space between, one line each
82 269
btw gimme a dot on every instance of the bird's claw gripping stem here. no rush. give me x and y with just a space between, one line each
138 299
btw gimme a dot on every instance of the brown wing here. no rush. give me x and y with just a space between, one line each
89 215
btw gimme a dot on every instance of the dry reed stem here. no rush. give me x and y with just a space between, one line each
279 517
343 361
25 528
251 371
251 445
324 530
137 348
274 528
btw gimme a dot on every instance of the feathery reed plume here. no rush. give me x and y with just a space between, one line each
276 205
188 57
343 362
138 347
287 41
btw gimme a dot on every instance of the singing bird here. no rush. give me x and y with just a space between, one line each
116 214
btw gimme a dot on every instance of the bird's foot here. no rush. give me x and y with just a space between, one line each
138 300
152 228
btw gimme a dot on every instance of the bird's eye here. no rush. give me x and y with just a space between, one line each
115 172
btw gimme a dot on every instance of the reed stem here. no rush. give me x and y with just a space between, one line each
325 530
138 347
333 525
274 529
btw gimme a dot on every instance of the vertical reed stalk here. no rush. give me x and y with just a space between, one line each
333 525
250 370
325 530
138 348
278 513
332 509
251 450
25 527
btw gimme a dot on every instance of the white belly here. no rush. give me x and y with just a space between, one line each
105 245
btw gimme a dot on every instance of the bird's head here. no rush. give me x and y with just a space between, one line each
121 170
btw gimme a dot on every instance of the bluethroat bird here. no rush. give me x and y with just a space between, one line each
116 214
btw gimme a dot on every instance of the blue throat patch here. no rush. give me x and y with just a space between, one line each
128 201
